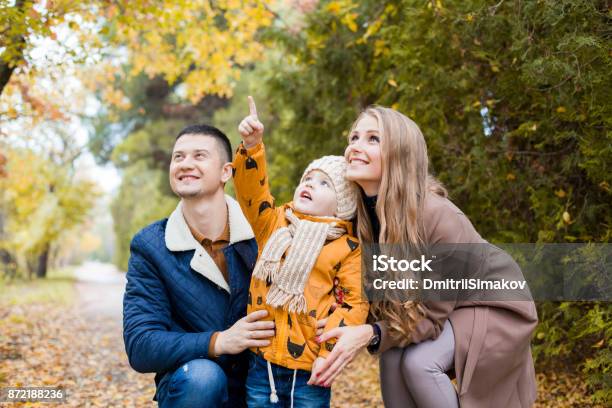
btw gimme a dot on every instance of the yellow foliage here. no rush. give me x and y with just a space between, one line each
183 40
204 41
380 48
372 29
349 21
566 217
40 201
116 98
334 7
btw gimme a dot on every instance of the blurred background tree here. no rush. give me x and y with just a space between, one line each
136 72
40 202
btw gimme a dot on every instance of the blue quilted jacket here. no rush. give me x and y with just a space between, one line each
174 301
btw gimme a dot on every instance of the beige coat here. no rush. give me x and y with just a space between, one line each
493 360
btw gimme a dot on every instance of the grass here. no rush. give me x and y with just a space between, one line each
56 288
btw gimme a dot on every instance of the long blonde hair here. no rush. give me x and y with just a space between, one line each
403 187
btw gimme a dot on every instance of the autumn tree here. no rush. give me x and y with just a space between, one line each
152 66
40 201
197 48
14 20
184 61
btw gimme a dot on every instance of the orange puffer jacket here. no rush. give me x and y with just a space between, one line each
335 278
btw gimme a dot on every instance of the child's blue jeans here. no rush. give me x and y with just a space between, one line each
259 388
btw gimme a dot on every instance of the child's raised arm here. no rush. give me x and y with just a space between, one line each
251 178
250 128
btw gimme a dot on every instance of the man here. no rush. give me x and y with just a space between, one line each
187 284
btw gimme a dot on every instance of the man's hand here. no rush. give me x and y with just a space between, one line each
251 129
246 332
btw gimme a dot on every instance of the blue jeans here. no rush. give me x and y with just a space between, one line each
304 395
198 383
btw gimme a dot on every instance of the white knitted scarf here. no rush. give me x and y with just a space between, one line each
303 241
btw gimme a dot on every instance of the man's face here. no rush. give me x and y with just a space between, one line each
198 167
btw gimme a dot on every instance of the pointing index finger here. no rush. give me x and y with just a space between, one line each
252 108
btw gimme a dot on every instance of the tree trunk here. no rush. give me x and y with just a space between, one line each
6 70
43 262
31 266
18 45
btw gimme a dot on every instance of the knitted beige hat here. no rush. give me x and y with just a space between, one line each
346 191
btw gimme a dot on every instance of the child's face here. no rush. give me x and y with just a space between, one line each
316 195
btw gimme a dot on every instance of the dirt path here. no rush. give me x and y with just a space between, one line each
100 288
78 347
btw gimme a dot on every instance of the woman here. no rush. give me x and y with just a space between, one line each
485 343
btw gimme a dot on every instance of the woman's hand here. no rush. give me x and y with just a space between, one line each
321 323
351 339
251 129
316 370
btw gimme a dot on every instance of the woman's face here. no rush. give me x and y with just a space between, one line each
363 155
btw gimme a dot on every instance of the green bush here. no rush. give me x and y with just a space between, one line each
514 100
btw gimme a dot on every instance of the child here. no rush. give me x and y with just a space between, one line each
307 255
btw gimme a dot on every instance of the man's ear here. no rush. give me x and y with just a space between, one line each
226 172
